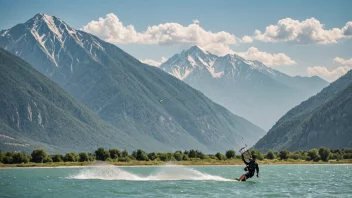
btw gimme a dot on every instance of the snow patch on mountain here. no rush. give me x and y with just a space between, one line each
4 32
41 41
180 72
191 60
51 25
215 74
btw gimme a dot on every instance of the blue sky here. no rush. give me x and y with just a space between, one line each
235 18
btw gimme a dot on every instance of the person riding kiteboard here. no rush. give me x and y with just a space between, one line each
251 167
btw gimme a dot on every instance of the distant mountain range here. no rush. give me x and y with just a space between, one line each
323 120
125 92
247 88
36 112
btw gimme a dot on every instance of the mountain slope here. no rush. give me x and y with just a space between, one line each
322 120
126 92
247 88
35 112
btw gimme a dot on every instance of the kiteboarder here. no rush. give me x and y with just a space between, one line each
251 167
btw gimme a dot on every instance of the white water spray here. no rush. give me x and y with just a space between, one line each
163 173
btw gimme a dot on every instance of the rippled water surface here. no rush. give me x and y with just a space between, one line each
177 181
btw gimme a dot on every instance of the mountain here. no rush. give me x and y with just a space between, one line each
322 120
247 88
36 112
125 92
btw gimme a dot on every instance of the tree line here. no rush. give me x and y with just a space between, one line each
113 155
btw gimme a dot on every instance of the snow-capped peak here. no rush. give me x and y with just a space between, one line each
184 64
195 49
55 25
54 37
197 59
39 18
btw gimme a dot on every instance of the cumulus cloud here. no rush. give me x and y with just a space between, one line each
247 39
347 29
308 31
268 59
153 62
112 30
343 61
330 76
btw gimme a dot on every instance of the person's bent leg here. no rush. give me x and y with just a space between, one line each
243 177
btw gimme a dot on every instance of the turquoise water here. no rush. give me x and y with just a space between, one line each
177 181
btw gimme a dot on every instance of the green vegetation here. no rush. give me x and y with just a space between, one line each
114 153
102 154
313 154
230 154
39 155
325 154
71 157
1 156
283 155
83 157
57 158
191 157
220 156
270 155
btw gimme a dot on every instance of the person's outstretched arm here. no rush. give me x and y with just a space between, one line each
244 160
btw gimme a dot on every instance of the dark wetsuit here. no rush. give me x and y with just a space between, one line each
252 167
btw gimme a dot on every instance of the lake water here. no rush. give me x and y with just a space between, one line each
177 181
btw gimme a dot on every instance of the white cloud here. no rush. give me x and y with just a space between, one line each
268 59
343 61
308 31
153 62
347 29
330 76
112 30
247 39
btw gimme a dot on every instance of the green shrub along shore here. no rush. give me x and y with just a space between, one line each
39 158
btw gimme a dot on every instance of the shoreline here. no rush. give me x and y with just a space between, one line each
139 166
160 163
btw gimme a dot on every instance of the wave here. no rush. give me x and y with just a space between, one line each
163 173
